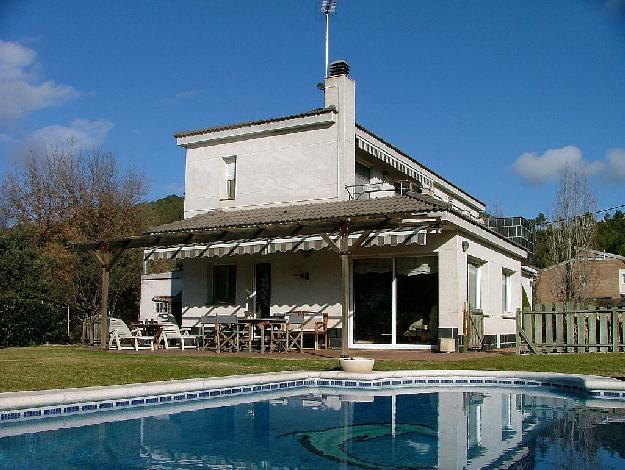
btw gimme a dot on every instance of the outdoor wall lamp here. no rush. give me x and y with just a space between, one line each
465 245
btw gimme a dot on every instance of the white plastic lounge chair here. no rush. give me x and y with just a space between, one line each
171 332
120 334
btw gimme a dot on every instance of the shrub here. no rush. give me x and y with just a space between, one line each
26 322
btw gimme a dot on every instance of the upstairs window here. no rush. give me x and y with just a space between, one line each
230 171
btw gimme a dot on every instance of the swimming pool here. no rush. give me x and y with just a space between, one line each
315 428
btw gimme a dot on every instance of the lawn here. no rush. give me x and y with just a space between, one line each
45 367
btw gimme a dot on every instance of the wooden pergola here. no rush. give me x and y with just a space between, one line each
334 230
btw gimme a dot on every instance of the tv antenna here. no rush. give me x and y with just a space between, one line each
327 7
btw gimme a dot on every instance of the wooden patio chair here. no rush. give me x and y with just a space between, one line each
321 331
226 333
295 332
278 337
120 334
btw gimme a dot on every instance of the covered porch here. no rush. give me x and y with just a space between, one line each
369 264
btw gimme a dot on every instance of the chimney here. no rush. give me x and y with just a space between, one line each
340 92
340 88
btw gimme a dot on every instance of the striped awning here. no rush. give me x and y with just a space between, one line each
285 245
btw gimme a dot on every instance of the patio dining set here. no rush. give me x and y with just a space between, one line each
224 333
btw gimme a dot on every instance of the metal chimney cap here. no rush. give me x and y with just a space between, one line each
339 67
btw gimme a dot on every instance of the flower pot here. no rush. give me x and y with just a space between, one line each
357 364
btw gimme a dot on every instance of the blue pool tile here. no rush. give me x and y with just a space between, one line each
476 381
164 399
461 381
138 401
215 393
519 382
351 383
71 409
11 415
447 381
300 383
203 394
105 405
433 381
282 385
151 400
179 397
533 383
52 411
611 394
246 389
89 407
191 395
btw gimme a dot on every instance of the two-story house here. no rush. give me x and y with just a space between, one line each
315 212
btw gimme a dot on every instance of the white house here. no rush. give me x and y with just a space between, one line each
270 203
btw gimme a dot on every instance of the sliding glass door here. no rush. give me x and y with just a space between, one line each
373 300
395 301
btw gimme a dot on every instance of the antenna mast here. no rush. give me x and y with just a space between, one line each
327 7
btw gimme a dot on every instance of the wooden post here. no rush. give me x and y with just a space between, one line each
104 323
344 252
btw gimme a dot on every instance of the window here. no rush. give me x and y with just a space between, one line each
506 291
230 164
224 283
162 307
474 281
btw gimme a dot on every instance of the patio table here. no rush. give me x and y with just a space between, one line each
149 329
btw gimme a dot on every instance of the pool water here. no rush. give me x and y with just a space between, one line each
448 430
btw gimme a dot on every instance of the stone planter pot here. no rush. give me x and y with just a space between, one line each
357 364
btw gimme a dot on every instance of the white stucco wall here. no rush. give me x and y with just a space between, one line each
320 293
304 159
453 284
167 284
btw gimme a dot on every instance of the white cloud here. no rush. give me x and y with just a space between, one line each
82 132
615 170
22 90
538 169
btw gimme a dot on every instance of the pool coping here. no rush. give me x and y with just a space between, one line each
17 406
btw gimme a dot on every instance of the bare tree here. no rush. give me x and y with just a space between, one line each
66 194
570 235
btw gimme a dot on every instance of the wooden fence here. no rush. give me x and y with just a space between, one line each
560 328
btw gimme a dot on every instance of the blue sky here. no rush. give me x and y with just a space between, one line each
494 95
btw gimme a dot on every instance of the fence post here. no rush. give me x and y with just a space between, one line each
614 330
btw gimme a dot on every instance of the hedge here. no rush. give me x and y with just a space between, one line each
25 322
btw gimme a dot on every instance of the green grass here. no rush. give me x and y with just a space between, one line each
45 367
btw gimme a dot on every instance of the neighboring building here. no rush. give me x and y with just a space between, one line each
161 294
603 278
266 202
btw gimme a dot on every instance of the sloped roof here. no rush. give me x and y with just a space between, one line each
301 213
313 112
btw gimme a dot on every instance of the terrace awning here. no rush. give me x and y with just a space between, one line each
284 245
